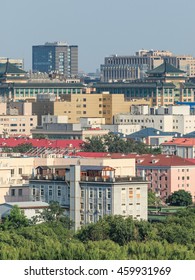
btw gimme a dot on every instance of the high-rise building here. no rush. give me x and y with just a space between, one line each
55 57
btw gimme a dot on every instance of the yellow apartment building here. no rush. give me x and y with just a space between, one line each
76 106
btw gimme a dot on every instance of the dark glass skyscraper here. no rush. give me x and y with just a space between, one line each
57 56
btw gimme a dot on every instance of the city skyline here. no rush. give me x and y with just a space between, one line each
99 30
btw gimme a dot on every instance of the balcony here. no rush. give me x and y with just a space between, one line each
50 177
111 179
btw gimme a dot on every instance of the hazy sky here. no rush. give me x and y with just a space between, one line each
99 27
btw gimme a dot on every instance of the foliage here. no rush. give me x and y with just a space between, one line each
15 219
153 200
111 238
21 148
114 144
39 136
180 198
55 213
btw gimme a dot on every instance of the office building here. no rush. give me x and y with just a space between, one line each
165 84
55 57
121 67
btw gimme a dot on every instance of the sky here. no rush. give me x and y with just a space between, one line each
99 27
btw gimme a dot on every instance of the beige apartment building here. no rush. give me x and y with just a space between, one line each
76 106
16 119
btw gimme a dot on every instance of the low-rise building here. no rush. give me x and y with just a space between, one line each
182 147
166 174
152 136
66 131
167 119
30 208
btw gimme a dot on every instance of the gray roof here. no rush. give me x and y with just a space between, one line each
146 132
26 204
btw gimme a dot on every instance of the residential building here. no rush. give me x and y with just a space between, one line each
17 119
182 147
166 174
88 193
152 137
55 57
175 119
77 106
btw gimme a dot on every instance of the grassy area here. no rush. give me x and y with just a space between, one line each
160 213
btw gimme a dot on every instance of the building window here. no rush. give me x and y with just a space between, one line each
91 193
100 194
42 190
99 206
20 171
13 192
109 193
20 192
50 191
59 191
109 207
90 206
82 193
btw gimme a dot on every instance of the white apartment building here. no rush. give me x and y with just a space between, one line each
87 199
122 128
167 119
53 119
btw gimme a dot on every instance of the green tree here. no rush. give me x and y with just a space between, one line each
55 213
94 144
112 143
22 148
153 200
15 219
180 198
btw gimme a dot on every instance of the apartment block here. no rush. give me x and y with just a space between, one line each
182 147
167 119
77 106
10 125
88 193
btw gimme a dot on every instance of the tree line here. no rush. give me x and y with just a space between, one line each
111 238
112 143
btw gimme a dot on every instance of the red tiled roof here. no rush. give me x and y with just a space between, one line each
143 160
13 142
180 142
162 160
104 155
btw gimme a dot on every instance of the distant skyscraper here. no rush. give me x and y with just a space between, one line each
57 56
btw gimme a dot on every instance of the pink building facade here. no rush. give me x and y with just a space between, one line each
166 174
